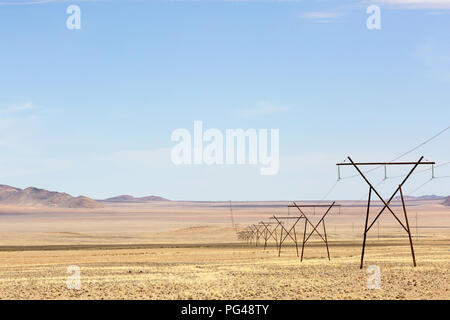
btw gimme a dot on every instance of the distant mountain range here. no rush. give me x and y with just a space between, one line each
128 198
447 201
427 197
39 197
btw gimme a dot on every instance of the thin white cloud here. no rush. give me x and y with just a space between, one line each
262 109
28 2
417 4
321 15
439 13
18 3
21 107
18 109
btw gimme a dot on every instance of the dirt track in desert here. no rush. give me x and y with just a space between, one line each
189 251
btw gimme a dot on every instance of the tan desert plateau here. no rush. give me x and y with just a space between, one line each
160 249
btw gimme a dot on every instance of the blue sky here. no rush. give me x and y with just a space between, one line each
91 111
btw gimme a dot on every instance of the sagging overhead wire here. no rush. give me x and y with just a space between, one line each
422 144
330 190
420 187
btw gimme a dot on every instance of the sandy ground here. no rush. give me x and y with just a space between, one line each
189 251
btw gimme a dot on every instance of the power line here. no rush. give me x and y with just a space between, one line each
403 154
420 187
330 190
395 159
422 144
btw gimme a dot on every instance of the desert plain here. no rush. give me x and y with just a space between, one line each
190 250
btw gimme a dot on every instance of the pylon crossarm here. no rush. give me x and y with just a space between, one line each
384 163
313 206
